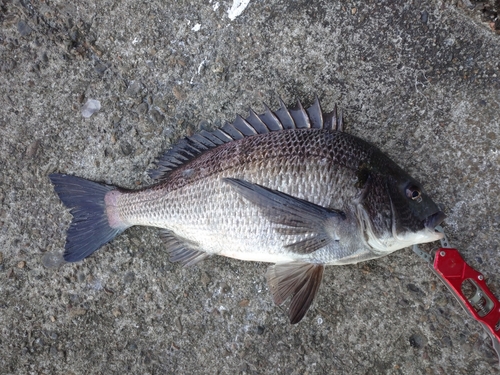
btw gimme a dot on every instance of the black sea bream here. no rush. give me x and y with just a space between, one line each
287 187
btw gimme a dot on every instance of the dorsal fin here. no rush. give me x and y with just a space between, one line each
284 116
282 119
315 115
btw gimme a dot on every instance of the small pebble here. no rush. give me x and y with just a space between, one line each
21 264
53 351
23 28
77 312
90 107
126 148
417 341
179 93
178 323
53 260
32 149
224 288
134 88
424 17
142 108
100 68
413 288
156 116
205 278
244 303
129 277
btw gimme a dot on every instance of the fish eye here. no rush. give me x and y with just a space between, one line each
414 193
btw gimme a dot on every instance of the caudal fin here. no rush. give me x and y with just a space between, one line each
90 228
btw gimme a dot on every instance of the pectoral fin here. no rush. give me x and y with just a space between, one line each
311 225
297 280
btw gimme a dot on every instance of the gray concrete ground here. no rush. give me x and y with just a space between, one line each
420 79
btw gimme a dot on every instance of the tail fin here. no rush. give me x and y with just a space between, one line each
90 228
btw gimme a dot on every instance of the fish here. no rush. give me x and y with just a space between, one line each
288 187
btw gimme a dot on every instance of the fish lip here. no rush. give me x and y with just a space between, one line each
434 220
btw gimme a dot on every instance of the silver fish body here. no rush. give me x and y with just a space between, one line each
286 187
200 206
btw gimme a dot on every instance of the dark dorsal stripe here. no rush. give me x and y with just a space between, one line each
282 119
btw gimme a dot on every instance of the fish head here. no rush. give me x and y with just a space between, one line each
400 211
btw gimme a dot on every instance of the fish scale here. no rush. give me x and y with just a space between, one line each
167 208
287 187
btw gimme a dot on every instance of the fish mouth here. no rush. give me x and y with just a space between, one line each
434 220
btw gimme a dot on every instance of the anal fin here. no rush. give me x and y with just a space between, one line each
181 250
297 280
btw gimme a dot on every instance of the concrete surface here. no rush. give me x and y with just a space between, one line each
420 79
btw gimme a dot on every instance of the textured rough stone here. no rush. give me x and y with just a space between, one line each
420 79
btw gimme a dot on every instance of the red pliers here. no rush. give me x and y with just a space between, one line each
467 285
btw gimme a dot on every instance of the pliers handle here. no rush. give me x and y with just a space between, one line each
467 285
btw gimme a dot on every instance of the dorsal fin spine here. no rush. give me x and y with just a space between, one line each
259 125
233 133
284 116
244 126
300 117
270 120
316 114
203 141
